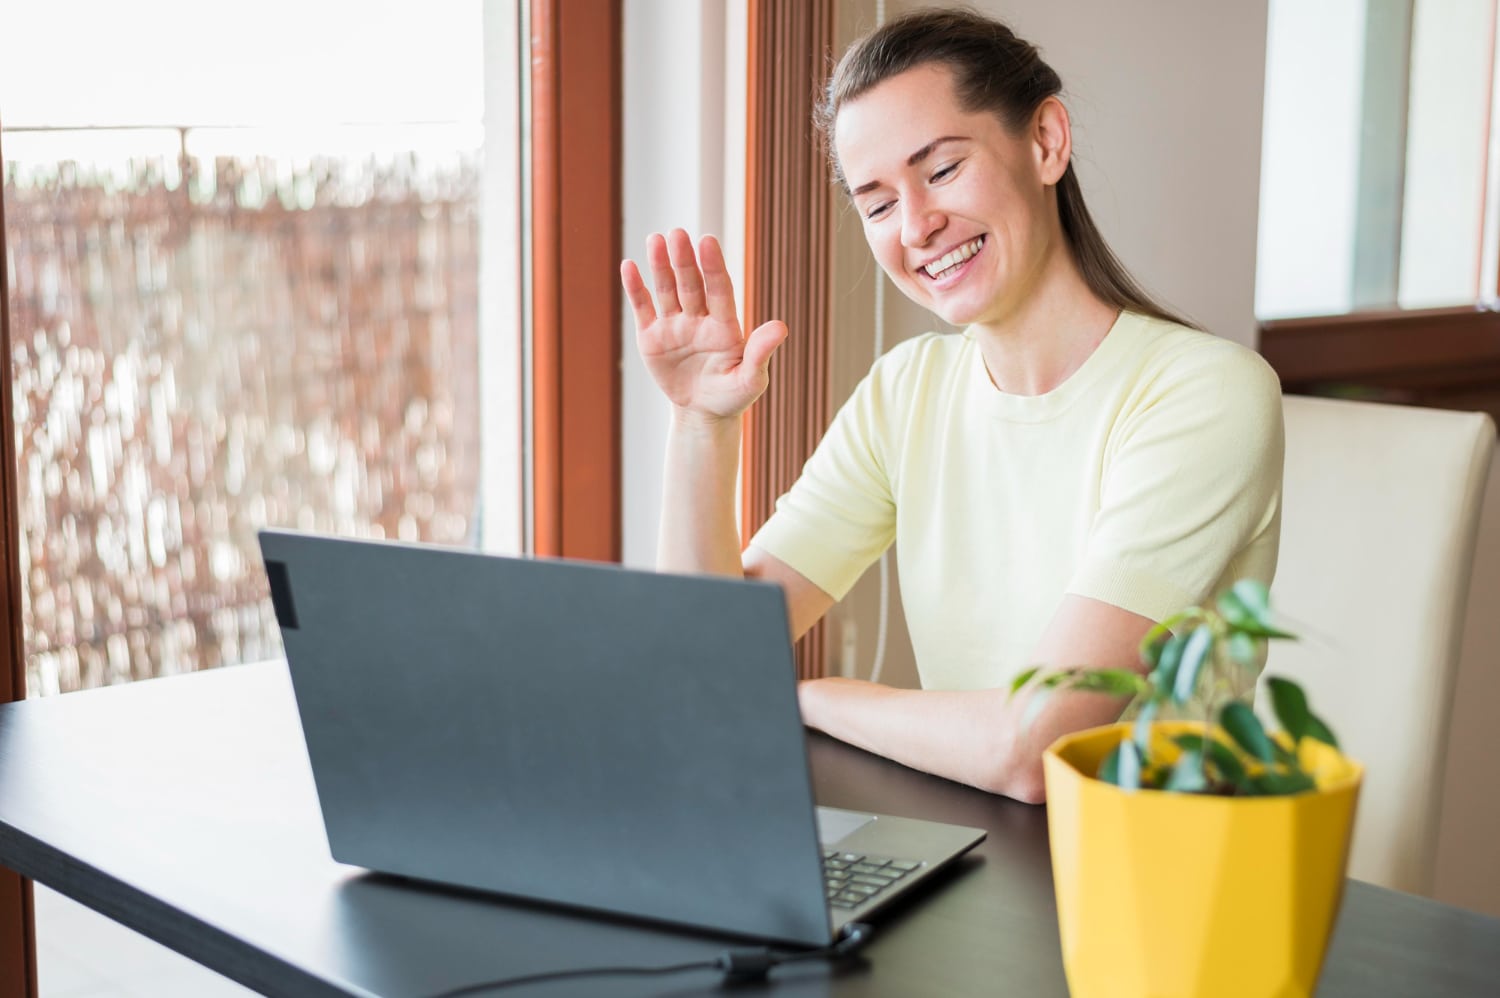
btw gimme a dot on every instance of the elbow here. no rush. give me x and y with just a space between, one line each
1027 785
1017 775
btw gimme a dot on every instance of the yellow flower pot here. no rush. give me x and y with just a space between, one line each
1172 895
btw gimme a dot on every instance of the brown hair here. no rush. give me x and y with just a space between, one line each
993 70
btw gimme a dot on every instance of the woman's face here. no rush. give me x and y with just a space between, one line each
956 209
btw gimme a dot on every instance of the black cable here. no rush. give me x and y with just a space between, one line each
738 966
557 975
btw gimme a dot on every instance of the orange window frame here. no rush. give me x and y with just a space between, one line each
576 310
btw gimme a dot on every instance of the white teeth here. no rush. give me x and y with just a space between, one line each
937 268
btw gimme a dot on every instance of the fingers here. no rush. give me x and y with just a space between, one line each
662 277
762 343
685 269
677 280
718 288
637 295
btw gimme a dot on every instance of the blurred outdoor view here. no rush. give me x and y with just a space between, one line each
224 318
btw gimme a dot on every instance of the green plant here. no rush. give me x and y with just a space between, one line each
1236 757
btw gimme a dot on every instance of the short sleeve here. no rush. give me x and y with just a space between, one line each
840 515
1192 488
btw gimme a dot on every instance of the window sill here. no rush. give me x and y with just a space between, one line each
1447 358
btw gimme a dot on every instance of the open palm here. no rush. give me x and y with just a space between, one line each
690 336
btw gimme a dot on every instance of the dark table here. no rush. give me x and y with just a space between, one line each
184 809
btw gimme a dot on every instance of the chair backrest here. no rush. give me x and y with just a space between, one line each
1381 504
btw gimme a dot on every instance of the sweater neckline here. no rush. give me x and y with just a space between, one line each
1105 358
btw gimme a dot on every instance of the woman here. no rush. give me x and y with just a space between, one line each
1072 467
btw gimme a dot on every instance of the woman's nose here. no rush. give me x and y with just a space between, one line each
919 221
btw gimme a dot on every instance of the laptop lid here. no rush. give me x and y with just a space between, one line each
565 731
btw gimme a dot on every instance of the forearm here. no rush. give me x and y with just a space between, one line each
979 737
698 531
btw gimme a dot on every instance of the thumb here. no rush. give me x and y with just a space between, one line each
762 343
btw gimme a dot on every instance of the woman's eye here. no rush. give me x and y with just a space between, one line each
877 210
945 172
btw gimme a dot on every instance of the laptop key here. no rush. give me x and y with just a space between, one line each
873 881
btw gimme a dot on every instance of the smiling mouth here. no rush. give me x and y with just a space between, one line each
949 263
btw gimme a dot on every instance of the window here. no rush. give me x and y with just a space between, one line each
1378 188
253 283
1380 201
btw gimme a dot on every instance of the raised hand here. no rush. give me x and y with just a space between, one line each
690 336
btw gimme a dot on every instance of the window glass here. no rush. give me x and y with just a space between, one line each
1374 168
245 282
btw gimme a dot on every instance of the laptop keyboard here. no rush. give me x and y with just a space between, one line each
851 878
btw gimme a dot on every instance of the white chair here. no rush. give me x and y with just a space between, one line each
1380 509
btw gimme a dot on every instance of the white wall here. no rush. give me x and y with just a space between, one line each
1166 100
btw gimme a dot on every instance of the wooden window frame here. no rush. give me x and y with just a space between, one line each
576 59
1445 357
17 921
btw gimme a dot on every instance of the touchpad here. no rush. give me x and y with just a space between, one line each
835 825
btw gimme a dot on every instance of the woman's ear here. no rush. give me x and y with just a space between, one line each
1052 135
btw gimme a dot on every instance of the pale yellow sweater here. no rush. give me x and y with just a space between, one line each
1149 479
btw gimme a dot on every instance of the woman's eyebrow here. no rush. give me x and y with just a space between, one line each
911 160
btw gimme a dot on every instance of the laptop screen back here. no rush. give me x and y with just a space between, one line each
571 732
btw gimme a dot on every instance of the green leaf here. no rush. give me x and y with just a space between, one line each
1116 682
1142 730
1245 649
1033 709
1169 657
1290 705
1220 756
1195 652
1153 777
1128 767
1187 776
1152 643
1109 769
1023 678
1249 598
1246 606
1320 731
1245 728
1122 767
1278 783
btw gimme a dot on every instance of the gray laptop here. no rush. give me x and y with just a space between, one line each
575 733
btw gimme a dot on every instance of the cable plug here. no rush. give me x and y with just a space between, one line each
746 966
853 938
